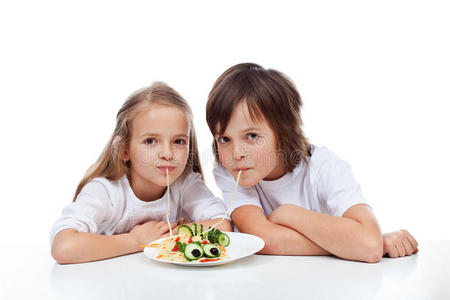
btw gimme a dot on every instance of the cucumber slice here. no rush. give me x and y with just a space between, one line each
224 239
211 237
211 250
194 229
201 230
193 251
184 230
217 233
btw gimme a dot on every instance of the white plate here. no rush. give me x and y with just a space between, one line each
241 245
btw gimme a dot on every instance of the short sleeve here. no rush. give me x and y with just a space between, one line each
91 207
337 188
244 196
199 203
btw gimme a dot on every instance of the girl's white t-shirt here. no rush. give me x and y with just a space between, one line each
326 185
111 207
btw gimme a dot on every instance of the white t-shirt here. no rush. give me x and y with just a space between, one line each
326 186
111 207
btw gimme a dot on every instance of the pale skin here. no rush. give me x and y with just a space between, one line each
250 146
159 142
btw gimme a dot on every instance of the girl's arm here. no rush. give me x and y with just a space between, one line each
279 240
354 236
71 246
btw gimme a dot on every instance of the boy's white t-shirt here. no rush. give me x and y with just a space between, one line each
326 186
111 207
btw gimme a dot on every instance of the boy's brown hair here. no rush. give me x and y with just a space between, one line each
269 95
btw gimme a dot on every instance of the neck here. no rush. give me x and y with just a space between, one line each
144 190
277 173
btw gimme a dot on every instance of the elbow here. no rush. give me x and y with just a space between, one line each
270 245
373 250
63 250
62 253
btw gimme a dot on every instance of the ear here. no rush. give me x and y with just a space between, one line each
125 156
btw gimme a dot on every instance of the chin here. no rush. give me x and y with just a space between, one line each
248 182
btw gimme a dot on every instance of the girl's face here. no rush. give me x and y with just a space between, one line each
159 141
249 146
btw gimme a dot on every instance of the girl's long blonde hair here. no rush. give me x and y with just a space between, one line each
110 164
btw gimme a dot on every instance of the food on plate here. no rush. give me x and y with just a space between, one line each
191 244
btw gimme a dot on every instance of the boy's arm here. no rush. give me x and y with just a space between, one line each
279 240
354 236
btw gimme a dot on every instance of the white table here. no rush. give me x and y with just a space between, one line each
28 273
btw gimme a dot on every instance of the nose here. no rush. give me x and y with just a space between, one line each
166 152
238 151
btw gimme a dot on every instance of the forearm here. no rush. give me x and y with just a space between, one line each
341 236
281 240
71 246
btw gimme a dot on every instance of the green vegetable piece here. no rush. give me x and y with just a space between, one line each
211 250
201 230
211 237
181 246
194 229
193 251
224 239
184 230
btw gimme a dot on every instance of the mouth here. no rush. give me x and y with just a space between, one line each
164 168
242 169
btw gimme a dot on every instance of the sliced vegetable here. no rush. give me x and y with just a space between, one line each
211 237
211 250
194 229
224 239
184 230
193 251
201 230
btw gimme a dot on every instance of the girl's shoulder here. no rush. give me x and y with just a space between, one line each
103 188
192 178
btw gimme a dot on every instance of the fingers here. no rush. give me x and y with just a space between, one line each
407 246
411 240
393 251
399 243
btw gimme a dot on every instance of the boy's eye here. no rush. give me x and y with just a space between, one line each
150 141
222 140
252 136
180 142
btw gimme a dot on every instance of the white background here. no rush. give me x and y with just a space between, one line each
374 77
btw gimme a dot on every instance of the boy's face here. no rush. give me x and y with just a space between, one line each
159 141
249 146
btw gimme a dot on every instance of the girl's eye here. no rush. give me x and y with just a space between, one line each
180 142
150 141
252 136
223 140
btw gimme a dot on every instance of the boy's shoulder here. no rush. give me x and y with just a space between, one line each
322 158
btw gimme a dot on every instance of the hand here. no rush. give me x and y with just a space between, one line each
281 214
399 243
150 231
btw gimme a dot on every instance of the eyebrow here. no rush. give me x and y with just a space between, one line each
243 130
251 129
158 135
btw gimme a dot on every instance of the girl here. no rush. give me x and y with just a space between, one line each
122 200
301 199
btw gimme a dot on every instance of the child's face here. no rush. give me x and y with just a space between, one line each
249 146
159 141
